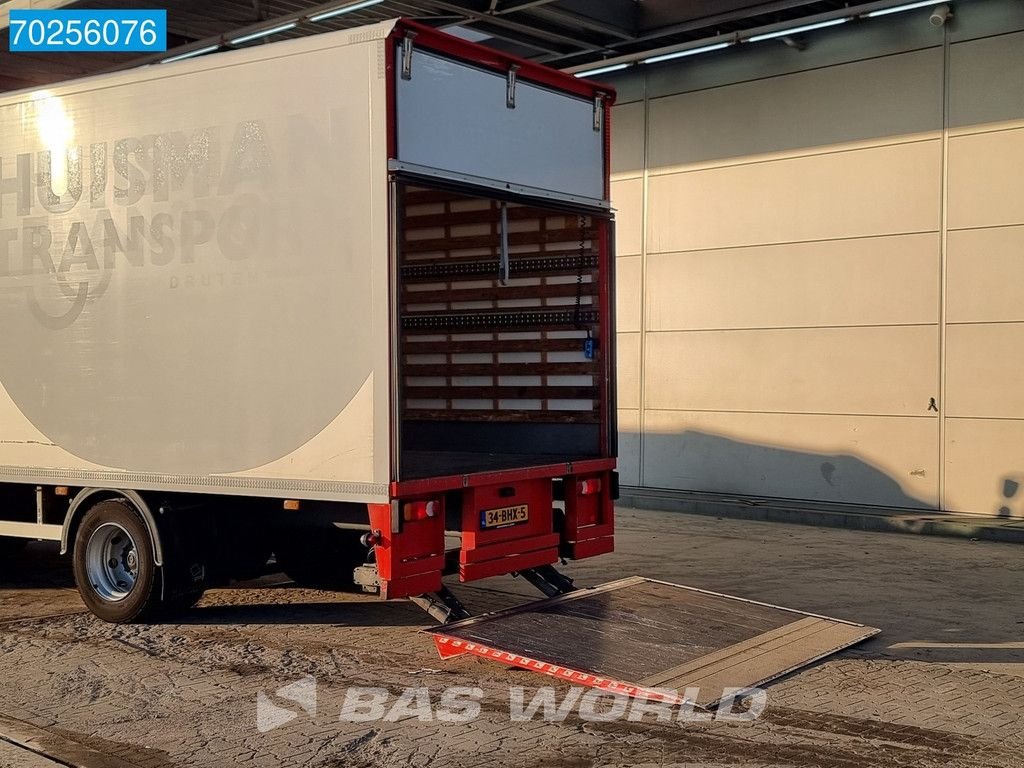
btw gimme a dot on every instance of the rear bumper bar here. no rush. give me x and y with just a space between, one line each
405 488
410 549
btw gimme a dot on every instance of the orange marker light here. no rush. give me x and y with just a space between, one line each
420 510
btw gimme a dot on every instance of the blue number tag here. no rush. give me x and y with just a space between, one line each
87 31
589 347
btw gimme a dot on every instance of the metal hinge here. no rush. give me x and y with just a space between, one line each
407 55
510 86
598 111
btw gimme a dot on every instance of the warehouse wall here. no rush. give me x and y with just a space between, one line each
984 371
819 253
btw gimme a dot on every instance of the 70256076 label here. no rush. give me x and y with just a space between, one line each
85 31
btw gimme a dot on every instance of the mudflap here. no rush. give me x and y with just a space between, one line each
651 639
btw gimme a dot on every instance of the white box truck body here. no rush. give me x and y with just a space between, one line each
359 280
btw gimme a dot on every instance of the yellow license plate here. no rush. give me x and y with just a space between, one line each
499 518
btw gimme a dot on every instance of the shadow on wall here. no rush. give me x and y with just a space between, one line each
1011 495
709 463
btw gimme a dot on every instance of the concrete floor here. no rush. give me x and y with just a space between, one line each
943 685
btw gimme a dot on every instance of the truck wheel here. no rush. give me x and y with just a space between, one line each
321 559
114 563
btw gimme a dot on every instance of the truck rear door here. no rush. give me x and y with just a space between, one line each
503 336
497 123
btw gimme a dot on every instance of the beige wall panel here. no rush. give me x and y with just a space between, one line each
627 293
628 365
628 202
986 179
855 459
984 273
877 191
629 447
997 63
869 281
985 370
985 466
628 139
873 370
873 100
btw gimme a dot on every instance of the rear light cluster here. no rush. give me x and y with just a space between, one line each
588 487
421 510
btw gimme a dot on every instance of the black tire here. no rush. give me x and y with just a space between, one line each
142 600
321 559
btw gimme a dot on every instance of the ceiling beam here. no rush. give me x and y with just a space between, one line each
516 26
530 42
696 25
721 18
571 17
740 36
520 6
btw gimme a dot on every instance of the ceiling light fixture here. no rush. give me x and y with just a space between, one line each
600 70
899 9
940 15
265 32
686 52
190 54
796 30
344 9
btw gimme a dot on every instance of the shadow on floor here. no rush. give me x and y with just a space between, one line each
38 566
337 613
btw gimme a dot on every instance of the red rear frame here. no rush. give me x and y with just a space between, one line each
411 554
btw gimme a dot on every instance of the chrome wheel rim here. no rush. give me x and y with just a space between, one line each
112 562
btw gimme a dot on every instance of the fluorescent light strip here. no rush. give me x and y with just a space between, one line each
601 70
344 9
687 52
190 54
795 30
265 32
901 8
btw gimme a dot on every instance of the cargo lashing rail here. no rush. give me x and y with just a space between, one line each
518 319
503 292
525 267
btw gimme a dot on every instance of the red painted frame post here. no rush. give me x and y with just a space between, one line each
410 556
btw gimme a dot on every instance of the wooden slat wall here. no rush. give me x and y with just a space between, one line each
473 349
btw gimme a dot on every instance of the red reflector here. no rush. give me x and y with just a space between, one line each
588 487
420 510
